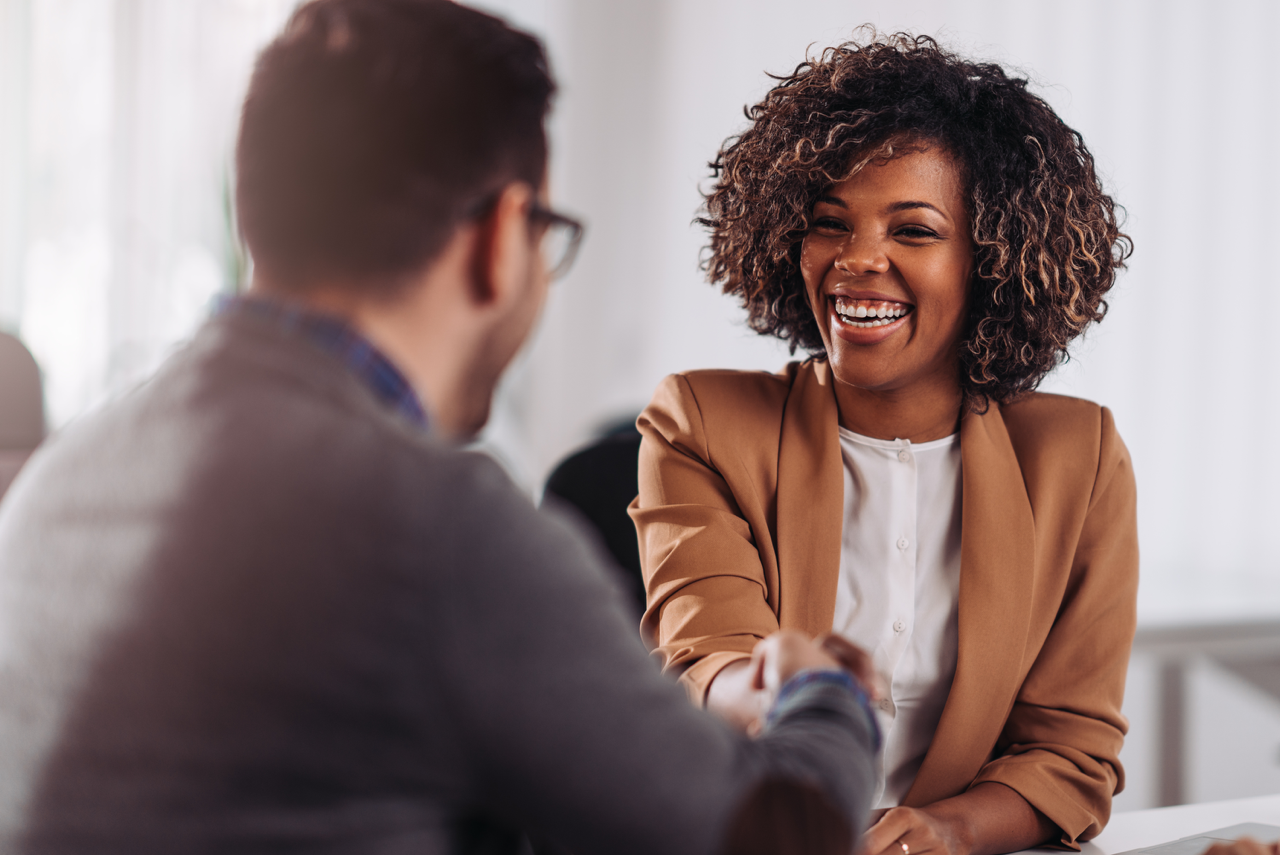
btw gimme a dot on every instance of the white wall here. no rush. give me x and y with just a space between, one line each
116 124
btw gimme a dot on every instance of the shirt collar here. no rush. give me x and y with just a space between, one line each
337 338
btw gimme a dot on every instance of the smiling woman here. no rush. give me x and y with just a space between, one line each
936 237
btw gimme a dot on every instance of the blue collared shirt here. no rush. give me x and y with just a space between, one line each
338 338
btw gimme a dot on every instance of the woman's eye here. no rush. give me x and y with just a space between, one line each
916 232
828 224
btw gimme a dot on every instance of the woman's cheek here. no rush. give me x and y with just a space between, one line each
812 268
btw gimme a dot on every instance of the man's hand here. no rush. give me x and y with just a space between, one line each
743 692
781 656
1244 846
775 660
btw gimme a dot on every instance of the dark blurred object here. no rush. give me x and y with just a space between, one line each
599 481
787 818
21 408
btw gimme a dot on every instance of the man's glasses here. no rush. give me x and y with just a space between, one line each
560 241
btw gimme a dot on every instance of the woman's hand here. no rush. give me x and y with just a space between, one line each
988 819
913 831
856 661
732 697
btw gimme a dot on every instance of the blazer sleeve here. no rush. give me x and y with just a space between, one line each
1060 745
707 596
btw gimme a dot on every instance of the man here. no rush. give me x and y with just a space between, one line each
264 604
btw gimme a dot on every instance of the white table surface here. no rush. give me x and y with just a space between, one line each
1141 828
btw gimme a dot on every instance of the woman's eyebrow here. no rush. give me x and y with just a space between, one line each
907 206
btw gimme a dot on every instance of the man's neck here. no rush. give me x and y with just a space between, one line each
428 342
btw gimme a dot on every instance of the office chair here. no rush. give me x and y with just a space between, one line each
598 482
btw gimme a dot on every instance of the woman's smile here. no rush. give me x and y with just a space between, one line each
865 320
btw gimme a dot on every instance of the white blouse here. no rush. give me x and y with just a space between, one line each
899 587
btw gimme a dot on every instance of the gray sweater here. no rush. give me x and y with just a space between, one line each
248 609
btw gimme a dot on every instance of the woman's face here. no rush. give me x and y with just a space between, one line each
886 264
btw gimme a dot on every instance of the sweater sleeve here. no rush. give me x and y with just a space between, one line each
564 724
1060 745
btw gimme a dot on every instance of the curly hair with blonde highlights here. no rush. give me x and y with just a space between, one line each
1047 241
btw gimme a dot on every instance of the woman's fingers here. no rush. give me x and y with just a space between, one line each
758 657
904 827
853 659
886 833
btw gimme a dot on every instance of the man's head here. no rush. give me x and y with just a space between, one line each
372 128
391 169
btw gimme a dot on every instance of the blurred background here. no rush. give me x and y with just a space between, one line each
117 120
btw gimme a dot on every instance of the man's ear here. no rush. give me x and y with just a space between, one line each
503 246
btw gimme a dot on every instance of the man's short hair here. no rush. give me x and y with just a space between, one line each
373 127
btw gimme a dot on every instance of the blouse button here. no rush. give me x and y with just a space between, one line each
903 543
886 705
904 455
899 626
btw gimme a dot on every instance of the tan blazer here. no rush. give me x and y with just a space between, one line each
740 516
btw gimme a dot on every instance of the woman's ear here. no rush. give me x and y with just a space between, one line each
505 248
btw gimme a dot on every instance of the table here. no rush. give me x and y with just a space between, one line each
1141 828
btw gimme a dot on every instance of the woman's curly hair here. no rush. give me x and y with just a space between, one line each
1047 244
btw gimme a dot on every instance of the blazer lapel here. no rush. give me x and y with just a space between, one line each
997 554
810 502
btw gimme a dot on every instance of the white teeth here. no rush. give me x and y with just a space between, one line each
876 315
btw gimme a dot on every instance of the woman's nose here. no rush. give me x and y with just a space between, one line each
862 256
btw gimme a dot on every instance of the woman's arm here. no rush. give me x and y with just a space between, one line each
707 582
1059 748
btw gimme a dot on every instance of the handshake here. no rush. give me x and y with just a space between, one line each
783 655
